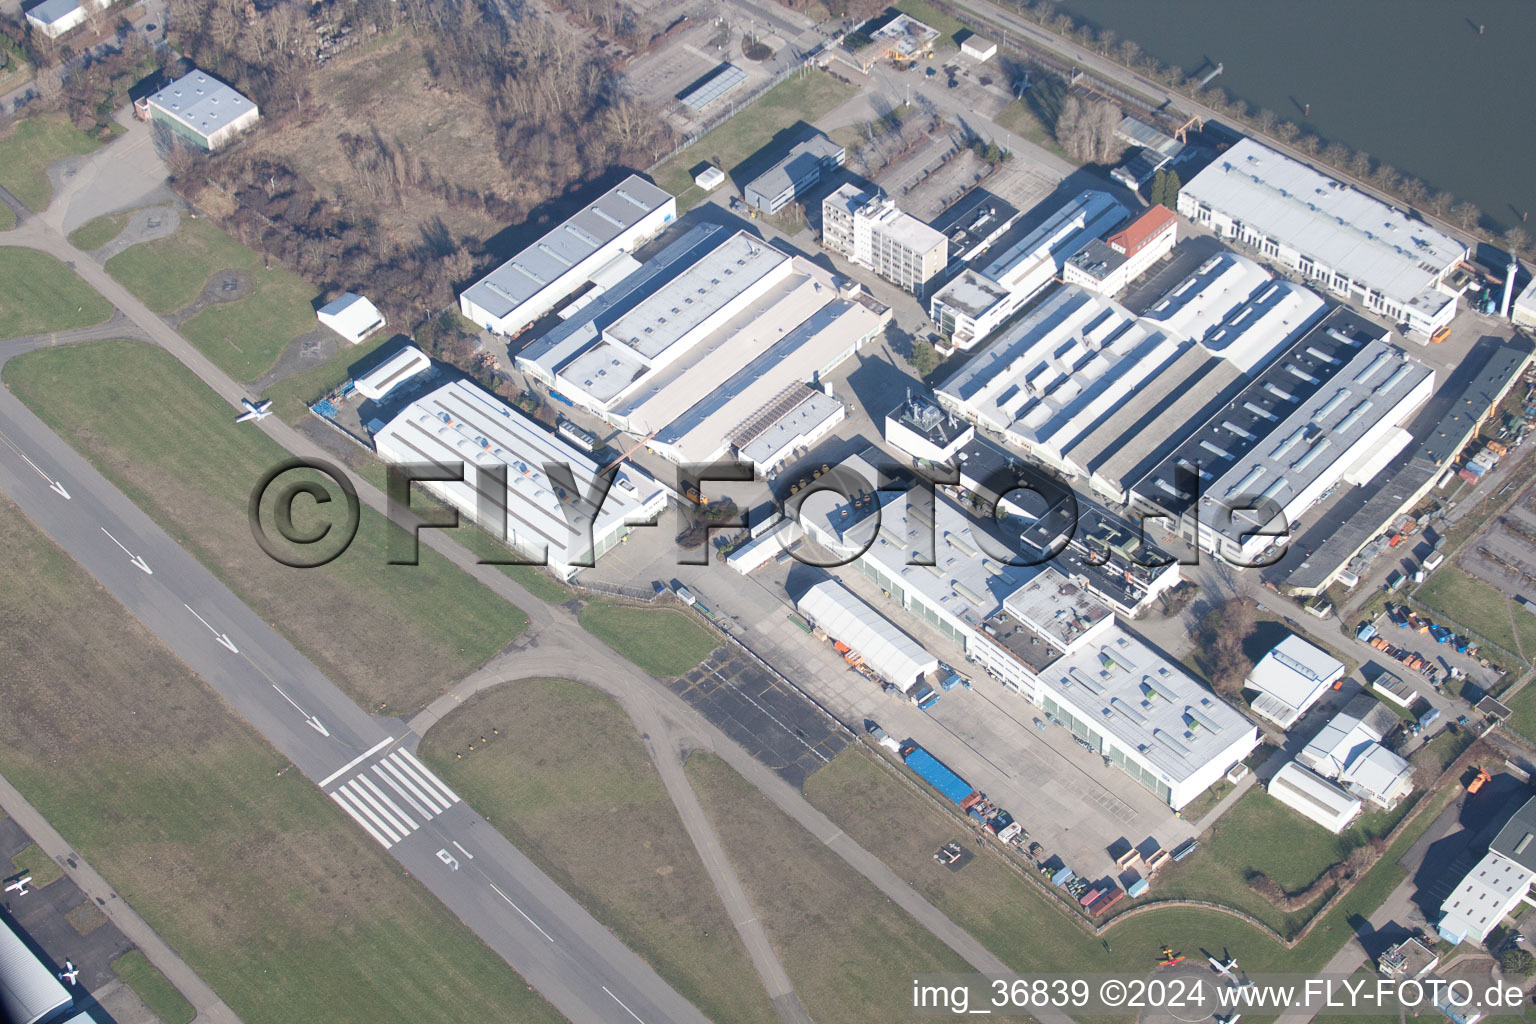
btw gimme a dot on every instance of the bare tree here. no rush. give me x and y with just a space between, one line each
1466 215
1086 130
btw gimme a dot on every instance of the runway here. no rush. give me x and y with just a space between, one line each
361 762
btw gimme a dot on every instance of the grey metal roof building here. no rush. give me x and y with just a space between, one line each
202 109
534 281
29 991
797 171
1248 419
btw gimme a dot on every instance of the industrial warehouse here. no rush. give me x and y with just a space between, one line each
513 483
1336 402
810 500
1056 382
1346 241
704 339
586 249
1039 629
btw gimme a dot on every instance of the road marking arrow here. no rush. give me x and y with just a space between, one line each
314 723
137 560
53 485
222 638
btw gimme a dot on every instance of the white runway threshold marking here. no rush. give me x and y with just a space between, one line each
383 796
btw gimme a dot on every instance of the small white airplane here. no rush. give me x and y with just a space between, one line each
69 973
254 410
1225 969
19 887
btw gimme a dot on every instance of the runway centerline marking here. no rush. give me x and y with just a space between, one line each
530 920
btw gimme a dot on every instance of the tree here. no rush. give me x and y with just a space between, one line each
1515 960
1159 187
1086 131
1171 190
1223 633
924 357
1467 215
1515 241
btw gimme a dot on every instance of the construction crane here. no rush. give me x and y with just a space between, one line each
1183 133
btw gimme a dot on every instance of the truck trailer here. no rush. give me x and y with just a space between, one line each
940 776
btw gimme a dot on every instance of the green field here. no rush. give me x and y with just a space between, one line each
1522 708
1260 834
564 753
286 908
30 148
162 998
850 953
41 295
244 337
33 861
1480 606
389 634
662 641
1029 931
7 217
797 98
96 233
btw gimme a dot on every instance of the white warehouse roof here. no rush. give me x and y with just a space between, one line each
352 316
1319 216
1290 679
1488 892
1150 704
1314 797
1363 721
459 424
202 102
29 991
893 655
51 12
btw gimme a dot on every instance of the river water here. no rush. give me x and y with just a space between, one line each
1411 82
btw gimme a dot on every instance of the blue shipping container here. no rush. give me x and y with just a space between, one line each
937 774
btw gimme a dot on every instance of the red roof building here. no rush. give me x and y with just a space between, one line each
1143 231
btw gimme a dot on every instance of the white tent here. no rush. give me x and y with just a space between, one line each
892 654
1314 797
393 372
